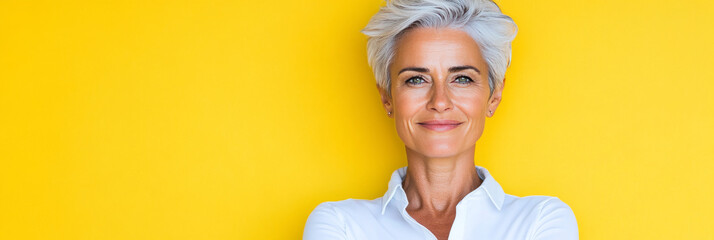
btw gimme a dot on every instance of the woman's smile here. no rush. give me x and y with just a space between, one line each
440 125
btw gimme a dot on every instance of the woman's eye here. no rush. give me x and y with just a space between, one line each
463 80
415 81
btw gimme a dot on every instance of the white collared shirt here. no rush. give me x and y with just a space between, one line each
485 213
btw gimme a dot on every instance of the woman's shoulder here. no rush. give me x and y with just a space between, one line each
349 206
543 205
329 219
547 212
540 200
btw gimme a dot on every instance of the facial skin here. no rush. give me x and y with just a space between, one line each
433 78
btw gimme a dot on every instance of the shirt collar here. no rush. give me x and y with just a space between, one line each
489 185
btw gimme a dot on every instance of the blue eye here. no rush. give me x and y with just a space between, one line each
415 81
463 80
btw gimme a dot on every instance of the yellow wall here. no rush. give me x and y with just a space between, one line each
234 119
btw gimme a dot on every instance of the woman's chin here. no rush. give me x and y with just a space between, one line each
439 150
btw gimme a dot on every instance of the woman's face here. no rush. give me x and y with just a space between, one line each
440 91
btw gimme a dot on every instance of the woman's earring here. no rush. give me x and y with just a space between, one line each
389 113
490 112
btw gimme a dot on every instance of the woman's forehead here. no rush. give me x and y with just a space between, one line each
437 47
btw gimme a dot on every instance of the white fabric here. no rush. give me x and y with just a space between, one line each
485 213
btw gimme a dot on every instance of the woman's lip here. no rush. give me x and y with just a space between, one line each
440 125
440 122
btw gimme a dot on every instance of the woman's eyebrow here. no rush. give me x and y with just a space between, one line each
461 68
416 69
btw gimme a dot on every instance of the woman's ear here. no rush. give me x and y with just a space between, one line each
386 100
495 99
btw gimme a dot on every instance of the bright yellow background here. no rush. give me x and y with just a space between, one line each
234 119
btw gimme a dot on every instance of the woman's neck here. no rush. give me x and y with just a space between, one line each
436 185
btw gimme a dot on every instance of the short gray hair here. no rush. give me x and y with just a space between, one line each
481 19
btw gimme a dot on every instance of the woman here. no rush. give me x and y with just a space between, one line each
440 69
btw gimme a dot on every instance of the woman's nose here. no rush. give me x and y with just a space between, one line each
440 100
